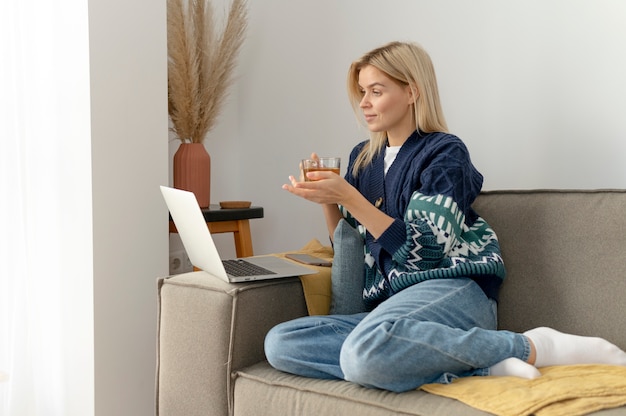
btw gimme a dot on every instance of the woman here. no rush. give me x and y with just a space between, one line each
432 267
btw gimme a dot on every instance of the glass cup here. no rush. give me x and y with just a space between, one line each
331 164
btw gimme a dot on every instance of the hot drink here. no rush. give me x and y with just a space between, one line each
331 164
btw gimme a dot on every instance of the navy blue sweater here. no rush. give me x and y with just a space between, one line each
428 190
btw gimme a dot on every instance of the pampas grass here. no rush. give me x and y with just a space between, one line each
201 63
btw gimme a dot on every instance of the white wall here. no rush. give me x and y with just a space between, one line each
534 88
129 160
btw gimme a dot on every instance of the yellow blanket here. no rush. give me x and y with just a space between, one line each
564 390
316 286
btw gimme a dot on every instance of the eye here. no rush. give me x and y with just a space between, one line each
376 93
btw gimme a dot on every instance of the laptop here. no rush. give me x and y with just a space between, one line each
203 254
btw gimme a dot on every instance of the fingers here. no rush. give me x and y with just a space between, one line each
294 184
298 188
312 176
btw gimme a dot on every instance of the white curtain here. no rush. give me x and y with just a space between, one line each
45 207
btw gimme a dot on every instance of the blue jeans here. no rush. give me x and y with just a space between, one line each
432 332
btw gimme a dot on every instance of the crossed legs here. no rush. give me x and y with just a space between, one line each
431 332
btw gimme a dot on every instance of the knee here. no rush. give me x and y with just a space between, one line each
372 360
284 343
362 363
274 346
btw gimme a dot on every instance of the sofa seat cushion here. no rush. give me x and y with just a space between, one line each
262 390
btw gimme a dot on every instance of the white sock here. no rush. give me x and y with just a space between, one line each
514 367
556 348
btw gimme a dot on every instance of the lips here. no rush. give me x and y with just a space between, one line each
369 117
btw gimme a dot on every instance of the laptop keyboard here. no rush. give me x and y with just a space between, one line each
238 267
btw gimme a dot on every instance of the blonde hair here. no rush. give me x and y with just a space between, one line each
407 64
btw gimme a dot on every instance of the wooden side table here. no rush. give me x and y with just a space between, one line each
236 221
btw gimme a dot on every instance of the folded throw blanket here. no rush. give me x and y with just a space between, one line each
561 391
316 287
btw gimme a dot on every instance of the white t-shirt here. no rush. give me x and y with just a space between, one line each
390 155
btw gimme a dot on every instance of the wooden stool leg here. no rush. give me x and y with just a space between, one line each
241 234
243 239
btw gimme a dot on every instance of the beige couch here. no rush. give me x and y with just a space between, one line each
565 253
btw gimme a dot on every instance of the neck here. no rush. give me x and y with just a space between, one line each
398 137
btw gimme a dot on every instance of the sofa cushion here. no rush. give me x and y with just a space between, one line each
347 271
564 255
261 390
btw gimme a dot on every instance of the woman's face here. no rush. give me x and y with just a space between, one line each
386 104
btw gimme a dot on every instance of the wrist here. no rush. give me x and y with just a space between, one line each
351 198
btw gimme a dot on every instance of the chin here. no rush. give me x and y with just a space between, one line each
375 129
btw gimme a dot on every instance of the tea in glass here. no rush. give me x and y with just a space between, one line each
331 164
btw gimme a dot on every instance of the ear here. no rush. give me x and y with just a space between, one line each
413 93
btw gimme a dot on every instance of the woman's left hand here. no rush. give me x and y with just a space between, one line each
323 187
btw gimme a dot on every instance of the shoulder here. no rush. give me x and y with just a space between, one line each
442 141
441 146
356 151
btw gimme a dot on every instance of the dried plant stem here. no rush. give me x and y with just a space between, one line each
201 64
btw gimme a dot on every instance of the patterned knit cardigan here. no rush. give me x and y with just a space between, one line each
438 240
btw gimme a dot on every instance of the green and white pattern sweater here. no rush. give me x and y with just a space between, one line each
438 246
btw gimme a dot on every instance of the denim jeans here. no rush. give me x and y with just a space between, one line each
432 332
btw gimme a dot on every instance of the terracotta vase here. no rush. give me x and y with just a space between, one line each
192 171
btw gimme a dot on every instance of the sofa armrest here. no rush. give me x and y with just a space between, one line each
207 330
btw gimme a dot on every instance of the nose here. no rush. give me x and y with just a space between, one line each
364 101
